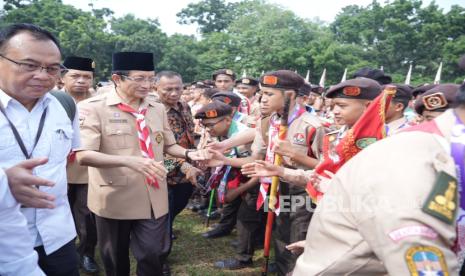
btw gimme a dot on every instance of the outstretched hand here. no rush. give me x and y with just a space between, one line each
261 168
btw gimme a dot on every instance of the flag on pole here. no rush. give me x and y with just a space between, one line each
307 78
369 128
437 79
409 75
244 73
381 68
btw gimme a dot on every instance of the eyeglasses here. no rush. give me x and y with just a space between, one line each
211 125
30 67
139 80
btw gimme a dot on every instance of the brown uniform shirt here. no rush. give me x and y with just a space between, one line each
122 193
76 173
371 221
298 135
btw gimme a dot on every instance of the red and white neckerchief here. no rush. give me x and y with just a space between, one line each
265 182
143 133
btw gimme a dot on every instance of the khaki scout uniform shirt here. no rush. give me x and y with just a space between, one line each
297 135
122 193
76 173
371 222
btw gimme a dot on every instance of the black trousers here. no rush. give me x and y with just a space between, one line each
290 227
63 262
149 240
250 226
229 215
83 218
178 196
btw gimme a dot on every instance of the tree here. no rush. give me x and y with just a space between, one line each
181 55
79 32
133 34
210 15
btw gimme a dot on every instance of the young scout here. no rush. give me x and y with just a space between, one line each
302 134
399 210
77 80
230 209
248 87
124 135
224 79
217 118
350 99
395 119
435 101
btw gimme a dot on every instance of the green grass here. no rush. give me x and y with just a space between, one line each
194 255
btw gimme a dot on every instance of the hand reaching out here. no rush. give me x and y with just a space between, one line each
261 168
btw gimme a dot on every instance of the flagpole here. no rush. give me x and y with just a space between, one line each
437 79
409 75
323 78
344 76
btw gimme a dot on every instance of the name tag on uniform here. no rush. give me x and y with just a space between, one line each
118 121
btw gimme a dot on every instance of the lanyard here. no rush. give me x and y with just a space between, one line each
18 138
458 154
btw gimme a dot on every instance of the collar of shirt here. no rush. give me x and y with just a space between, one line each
6 100
112 98
397 124
178 107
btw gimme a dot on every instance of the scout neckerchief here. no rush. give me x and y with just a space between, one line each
272 135
226 182
26 154
143 133
458 154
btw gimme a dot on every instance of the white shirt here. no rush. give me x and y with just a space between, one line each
51 228
17 255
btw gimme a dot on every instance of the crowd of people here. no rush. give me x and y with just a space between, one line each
366 173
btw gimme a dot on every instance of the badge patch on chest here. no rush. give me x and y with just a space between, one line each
365 142
426 260
442 200
159 138
299 139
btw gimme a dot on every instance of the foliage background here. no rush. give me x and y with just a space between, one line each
256 36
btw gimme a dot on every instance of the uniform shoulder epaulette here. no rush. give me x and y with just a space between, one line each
96 98
152 97
312 119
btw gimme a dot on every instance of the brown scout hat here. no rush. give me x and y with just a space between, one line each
439 98
227 97
227 72
422 88
282 79
359 88
247 81
374 74
213 110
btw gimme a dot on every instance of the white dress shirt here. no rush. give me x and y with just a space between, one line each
17 255
51 228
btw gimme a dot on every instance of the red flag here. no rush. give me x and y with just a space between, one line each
369 128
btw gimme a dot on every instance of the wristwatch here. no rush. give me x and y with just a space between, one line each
187 154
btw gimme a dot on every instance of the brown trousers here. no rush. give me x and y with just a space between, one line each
149 240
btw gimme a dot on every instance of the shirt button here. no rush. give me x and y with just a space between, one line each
110 182
118 132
